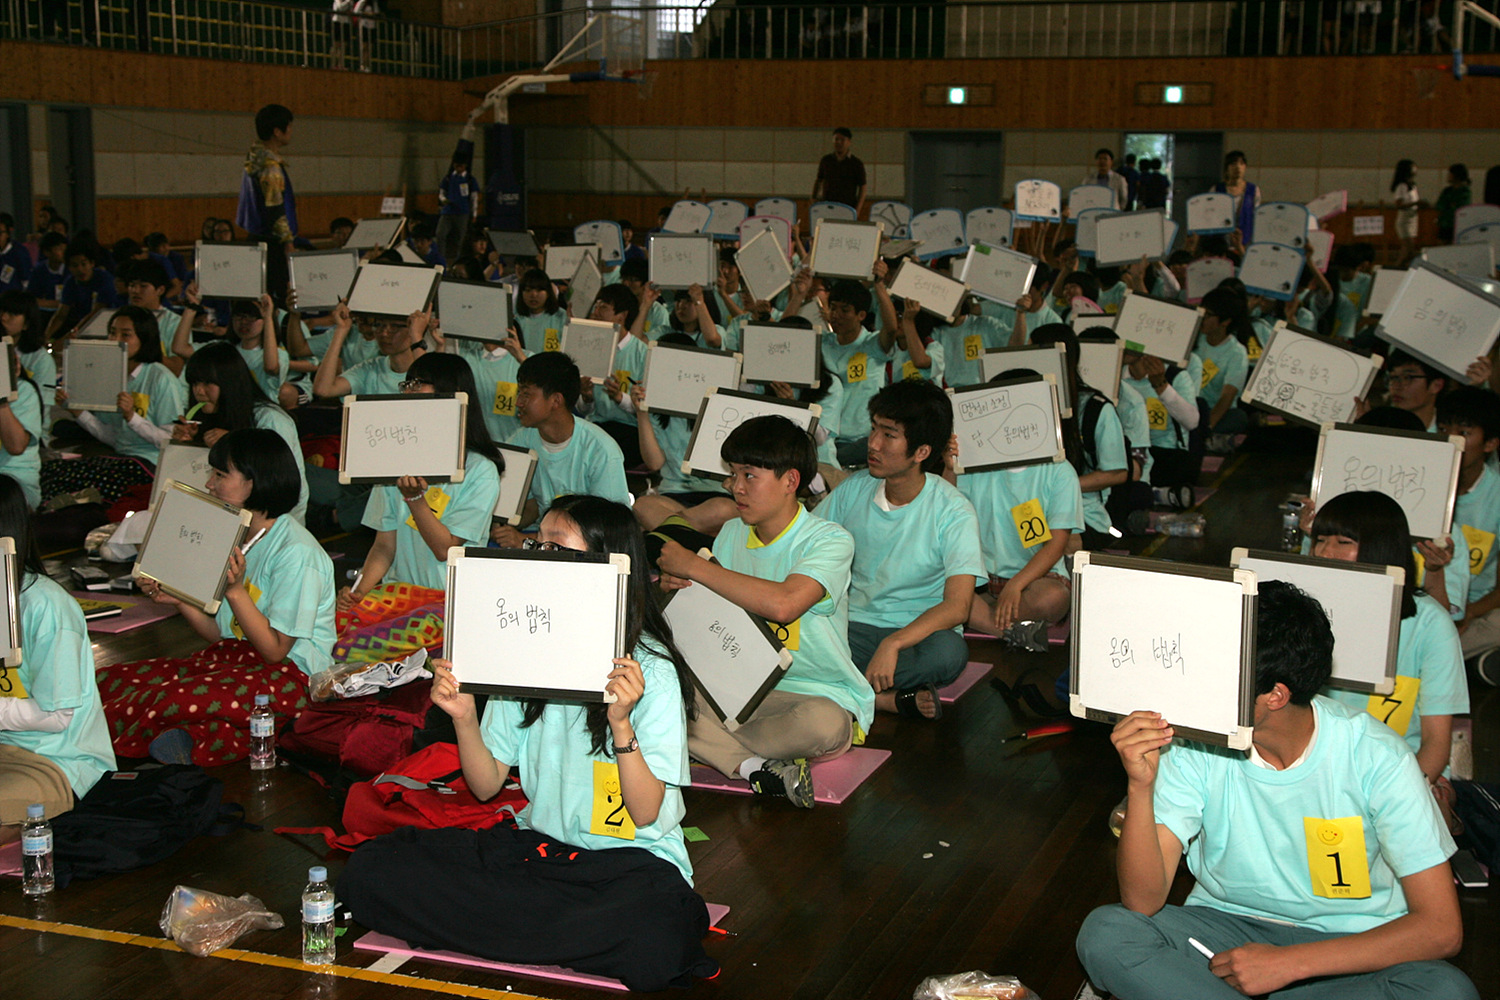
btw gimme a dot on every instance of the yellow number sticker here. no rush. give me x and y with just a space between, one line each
973 347
1209 371
1421 568
437 500
1336 857
1395 709
1031 523
857 365
10 682
254 592
551 340
790 634
142 402
623 380
505 399
1157 417
610 817
1252 349
909 371
1480 544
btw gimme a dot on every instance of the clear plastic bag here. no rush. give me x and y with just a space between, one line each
202 922
976 985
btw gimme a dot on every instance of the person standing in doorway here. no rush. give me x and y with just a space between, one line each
841 174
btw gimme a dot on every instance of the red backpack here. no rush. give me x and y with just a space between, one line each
363 736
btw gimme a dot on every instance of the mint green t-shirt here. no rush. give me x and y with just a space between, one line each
464 509
157 391
673 440
374 378
996 495
1109 455
900 367
1226 364
290 578
276 419
860 366
26 468
964 345
1476 520
629 369
495 383
589 462
538 330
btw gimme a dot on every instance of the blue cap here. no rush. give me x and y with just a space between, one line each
317 874
35 811
262 699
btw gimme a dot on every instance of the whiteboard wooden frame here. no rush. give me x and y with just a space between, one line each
235 525
1054 361
779 228
1321 496
1332 570
1113 250
371 234
591 328
372 293
829 229
1455 364
175 459
669 358
446 465
561 259
764 266
514 242
937 293
682 260
693 462
474 310
11 572
511 505
1240 738
959 396
1260 374
1327 206
8 388
314 288
231 270
758 366
731 709
1175 349
99 392
984 272
520 676
1110 354
1037 200
1210 214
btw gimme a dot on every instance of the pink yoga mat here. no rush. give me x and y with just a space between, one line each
973 674
833 780
1212 463
10 859
384 943
138 611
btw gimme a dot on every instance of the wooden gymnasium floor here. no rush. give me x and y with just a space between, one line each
967 850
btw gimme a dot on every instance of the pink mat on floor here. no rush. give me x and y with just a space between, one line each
973 674
395 946
1212 463
833 780
138 611
1202 493
1057 635
10 859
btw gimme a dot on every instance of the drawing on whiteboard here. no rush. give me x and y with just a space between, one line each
1313 382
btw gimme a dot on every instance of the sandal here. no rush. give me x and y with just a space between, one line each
906 703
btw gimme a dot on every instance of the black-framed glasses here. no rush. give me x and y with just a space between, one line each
537 545
412 384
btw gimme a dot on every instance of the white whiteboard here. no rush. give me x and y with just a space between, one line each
1205 274
584 286
386 437
845 249
604 234
1417 470
1187 653
722 411
514 243
1383 286
763 266
1162 329
1320 249
1309 379
780 208
407 254
735 658
677 377
687 217
393 289
1487 232
1472 260
724 223
474 310
561 261
1126 237
95 326
1001 425
895 216
591 344
371 233
1083 322
187 545
1282 222
535 624
1038 201
1086 230
1475 215
94 374
939 230
231 270
10 627
682 261
937 293
1272 270
1210 213
182 463
515 482
1444 319
776 353
1086 196
831 210
997 274
778 227
1099 366
1363 604
322 277
1326 206
989 225
1044 359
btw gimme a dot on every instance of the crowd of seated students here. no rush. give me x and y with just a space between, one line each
859 544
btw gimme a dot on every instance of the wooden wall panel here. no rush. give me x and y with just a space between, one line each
182 218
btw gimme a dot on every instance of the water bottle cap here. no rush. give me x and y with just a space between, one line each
317 874
35 811
262 699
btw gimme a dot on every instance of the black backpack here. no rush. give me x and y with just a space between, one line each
131 819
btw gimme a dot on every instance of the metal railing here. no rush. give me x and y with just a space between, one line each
288 34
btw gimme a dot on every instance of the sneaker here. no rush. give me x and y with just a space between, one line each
786 779
1219 444
174 746
1487 666
1030 635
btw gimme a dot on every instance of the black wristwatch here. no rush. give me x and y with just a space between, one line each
630 747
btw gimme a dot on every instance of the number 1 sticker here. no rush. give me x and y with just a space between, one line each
1336 857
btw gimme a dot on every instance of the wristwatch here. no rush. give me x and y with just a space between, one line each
630 747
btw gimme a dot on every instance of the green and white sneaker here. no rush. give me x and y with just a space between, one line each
787 779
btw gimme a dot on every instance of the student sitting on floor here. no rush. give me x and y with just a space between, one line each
399 342
250 323
916 552
1320 855
573 456
1226 365
539 317
1170 394
692 312
1474 415
87 287
273 630
54 744
790 567
563 889
854 356
1027 516
1415 386
21 431
606 405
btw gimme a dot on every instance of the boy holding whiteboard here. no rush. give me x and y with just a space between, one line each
791 568
1474 415
398 342
1320 854
853 354
916 552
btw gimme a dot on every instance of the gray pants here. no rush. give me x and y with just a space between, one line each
1483 633
1136 957
937 659
785 726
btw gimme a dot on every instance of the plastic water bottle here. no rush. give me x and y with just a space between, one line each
262 731
36 852
1291 529
317 918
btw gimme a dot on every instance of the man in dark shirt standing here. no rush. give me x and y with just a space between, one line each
841 174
